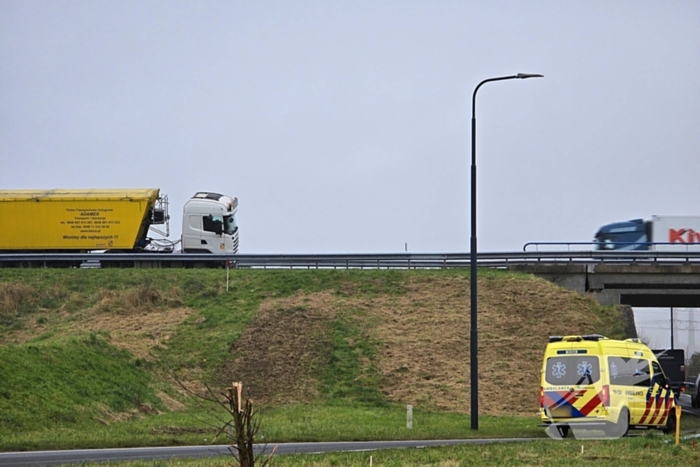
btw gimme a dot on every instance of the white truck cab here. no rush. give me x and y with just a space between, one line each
209 224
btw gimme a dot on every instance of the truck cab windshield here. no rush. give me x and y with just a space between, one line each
230 226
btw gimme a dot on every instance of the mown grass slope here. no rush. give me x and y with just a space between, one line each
86 348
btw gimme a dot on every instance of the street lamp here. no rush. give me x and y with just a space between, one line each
473 336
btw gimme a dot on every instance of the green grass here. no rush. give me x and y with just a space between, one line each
612 324
62 391
644 450
287 424
351 374
64 382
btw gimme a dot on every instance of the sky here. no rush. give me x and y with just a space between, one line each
654 328
344 126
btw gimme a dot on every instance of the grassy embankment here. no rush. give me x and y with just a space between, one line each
87 357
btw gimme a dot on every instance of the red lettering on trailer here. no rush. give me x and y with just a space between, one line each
683 236
676 236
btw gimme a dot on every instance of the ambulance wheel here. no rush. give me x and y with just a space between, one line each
670 427
620 429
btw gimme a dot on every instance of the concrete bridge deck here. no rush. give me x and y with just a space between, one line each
637 285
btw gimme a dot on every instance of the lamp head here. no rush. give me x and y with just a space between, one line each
528 75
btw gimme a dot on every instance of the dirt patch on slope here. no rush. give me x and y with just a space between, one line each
138 332
423 354
284 349
134 319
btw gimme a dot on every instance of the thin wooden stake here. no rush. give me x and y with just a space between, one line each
238 387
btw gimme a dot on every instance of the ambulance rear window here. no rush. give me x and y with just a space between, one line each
569 370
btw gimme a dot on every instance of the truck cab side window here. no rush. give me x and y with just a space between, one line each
213 224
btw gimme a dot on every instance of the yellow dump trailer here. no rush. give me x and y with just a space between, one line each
76 220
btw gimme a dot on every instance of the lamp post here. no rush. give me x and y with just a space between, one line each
473 335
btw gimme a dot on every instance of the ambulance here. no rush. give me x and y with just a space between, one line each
591 382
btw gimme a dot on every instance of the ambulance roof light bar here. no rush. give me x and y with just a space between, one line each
587 337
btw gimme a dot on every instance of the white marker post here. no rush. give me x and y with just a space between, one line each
409 416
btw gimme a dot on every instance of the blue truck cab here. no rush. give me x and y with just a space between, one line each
628 235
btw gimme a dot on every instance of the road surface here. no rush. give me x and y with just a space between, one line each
37 458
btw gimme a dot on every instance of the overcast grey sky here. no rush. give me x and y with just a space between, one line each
344 126
654 327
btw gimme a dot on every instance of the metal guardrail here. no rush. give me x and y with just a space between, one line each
560 246
620 246
363 261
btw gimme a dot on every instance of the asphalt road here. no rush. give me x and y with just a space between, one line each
38 458
687 405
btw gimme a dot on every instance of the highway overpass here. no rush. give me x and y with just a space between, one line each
637 285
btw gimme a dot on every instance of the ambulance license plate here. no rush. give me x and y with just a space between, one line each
561 412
